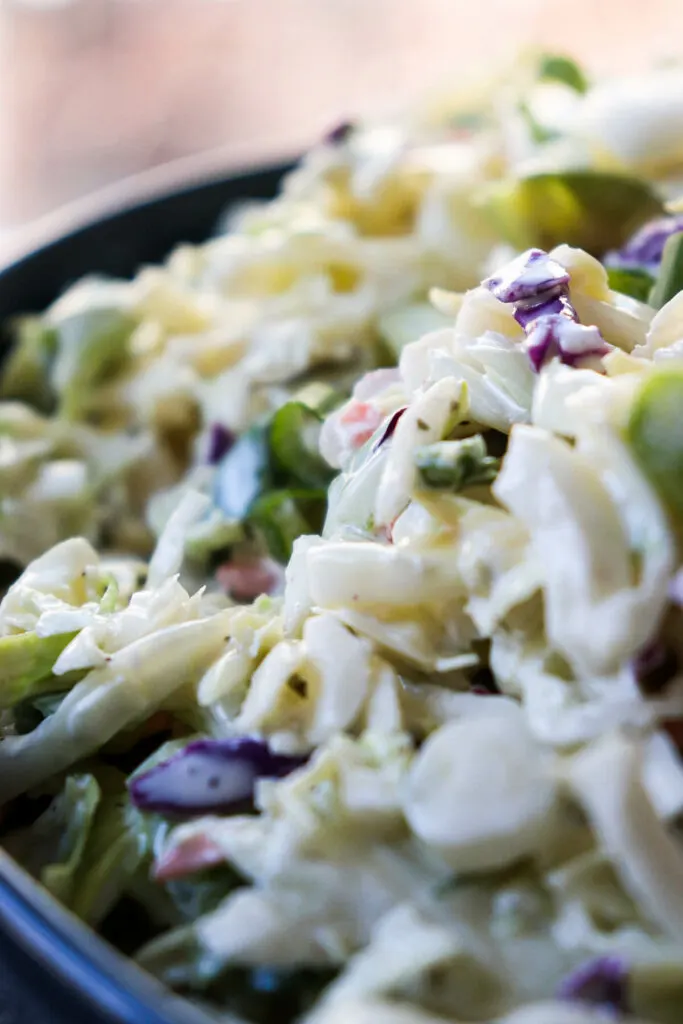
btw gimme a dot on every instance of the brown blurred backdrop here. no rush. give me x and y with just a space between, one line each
94 90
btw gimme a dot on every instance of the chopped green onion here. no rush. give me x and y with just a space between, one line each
655 433
636 283
282 516
274 478
293 436
454 465
556 68
670 277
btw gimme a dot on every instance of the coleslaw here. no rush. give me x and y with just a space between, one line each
340 676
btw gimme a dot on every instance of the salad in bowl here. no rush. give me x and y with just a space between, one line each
341 648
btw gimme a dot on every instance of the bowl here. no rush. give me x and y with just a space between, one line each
56 968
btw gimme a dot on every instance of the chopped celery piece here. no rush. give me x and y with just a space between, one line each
670 277
636 283
593 210
655 432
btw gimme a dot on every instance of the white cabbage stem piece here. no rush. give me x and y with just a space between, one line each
423 423
481 791
598 613
607 779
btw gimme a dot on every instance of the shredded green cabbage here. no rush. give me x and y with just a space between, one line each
442 750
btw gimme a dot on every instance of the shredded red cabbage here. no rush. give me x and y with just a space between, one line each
339 134
528 277
644 249
600 982
220 442
389 428
655 666
557 305
209 776
676 589
558 335
538 288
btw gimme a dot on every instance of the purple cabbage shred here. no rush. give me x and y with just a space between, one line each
555 306
209 777
538 289
644 249
676 589
654 666
220 442
527 277
390 427
558 335
340 134
600 982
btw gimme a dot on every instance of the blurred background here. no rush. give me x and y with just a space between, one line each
92 91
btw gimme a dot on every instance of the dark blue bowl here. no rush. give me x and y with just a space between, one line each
52 967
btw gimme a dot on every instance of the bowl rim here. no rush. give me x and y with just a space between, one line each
176 176
59 943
